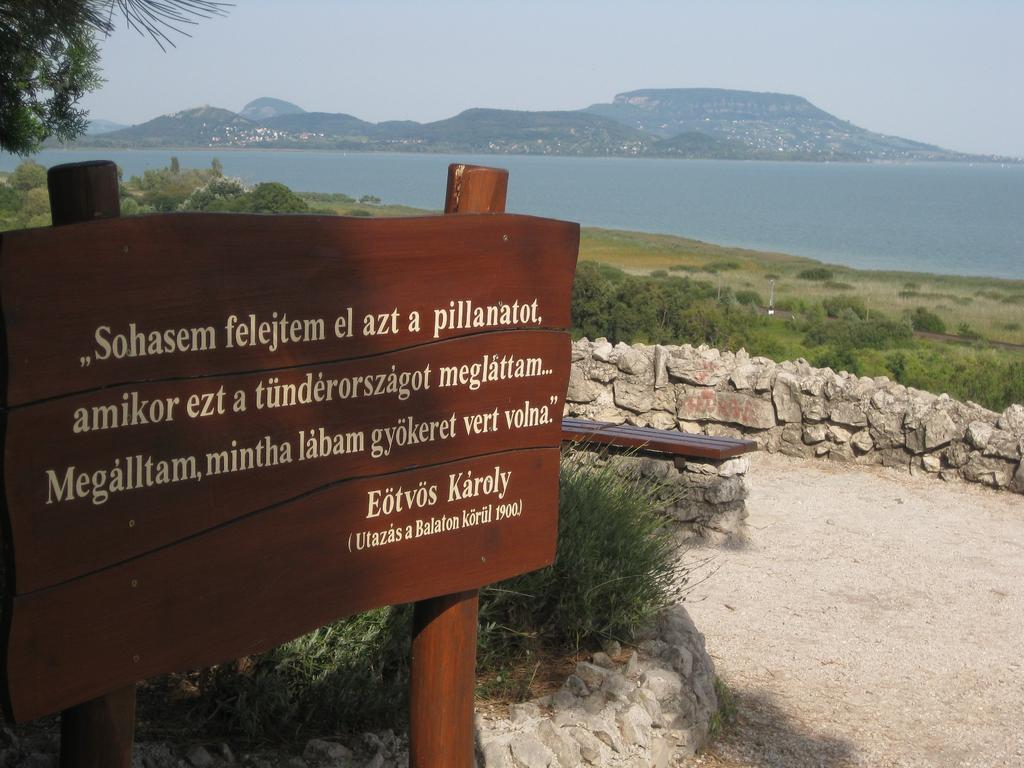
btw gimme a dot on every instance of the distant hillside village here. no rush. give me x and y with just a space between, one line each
695 123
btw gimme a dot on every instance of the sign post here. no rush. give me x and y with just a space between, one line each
222 431
444 628
99 732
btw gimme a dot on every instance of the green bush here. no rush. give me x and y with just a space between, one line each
615 567
835 305
922 319
858 334
749 298
816 273
313 683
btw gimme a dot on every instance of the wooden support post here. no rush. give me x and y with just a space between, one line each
98 733
441 728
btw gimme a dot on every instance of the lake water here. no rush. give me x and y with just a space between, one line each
945 217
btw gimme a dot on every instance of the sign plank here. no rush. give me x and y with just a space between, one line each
177 295
149 464
247 586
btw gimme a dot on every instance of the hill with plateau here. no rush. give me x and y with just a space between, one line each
702 123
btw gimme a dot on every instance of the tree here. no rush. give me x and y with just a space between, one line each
28 175
49 59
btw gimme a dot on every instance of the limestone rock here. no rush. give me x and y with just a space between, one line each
602 350
957 454
1012 420
496 755
529 752
933 429
698 404
990 471
636 397
603 372
704 369
813 408
814 434
632 361
581 389
1017 483
848 414
635 726
838 434
979 433
785 398
862 441
1003 444
661 355
744 376
565 749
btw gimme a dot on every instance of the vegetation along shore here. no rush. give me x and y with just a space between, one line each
961 335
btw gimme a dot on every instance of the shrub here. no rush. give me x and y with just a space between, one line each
965 331
750 298
834 306
858 334
314 682
816 273
924 320
615 567
722 265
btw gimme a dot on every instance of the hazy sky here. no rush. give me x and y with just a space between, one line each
950 72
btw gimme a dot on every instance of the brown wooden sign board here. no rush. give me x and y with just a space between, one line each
223 431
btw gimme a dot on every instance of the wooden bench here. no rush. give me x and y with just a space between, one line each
654 440
701 478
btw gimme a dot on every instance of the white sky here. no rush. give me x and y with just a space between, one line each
949 72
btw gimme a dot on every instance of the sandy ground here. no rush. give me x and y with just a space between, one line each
872 619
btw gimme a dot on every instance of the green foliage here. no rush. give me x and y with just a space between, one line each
164 189
994 379
965 331
922 319
816 273
28 175
25 200
749 298
669 310
723 265
834 306
216 189
725 716
616 566
369 200
354 671
858 334
49 61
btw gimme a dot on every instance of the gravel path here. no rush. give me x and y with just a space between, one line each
872 619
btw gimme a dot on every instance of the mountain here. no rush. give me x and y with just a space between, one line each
267 107
677 122
199 127
99 126
761 125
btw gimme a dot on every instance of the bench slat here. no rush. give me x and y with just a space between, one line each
648 438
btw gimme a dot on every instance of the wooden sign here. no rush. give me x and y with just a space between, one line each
222 431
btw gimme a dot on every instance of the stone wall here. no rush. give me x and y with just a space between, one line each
796 409
705 498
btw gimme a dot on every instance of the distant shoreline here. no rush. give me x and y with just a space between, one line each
976 160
